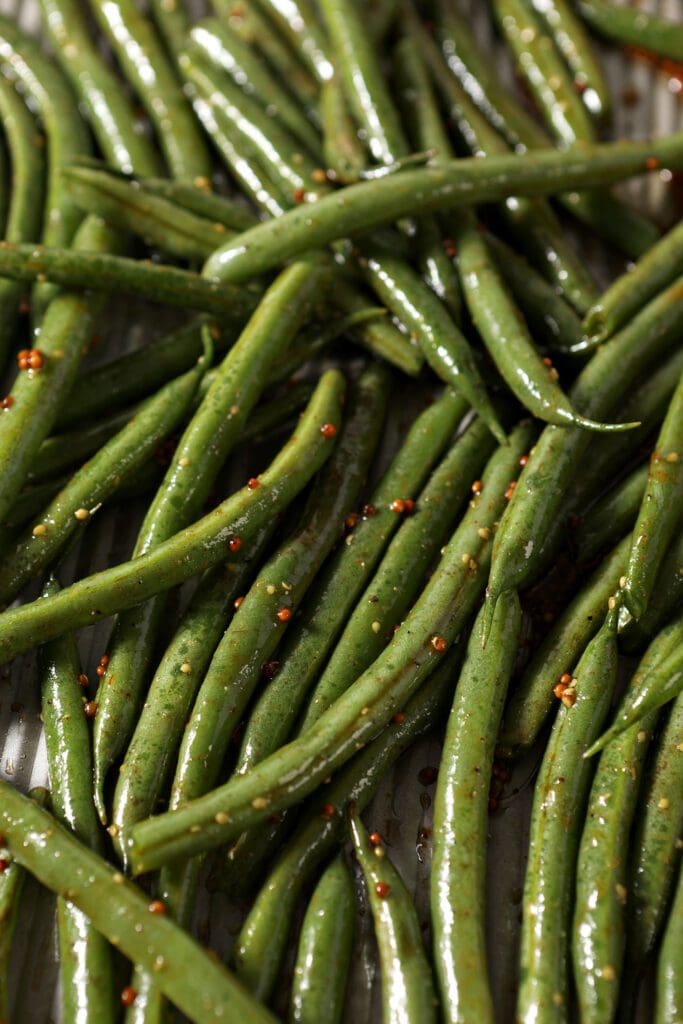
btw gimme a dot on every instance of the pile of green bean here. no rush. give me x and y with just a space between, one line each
398 466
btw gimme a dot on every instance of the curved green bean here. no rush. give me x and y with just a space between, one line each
664 603
611 517
324 952
633 27
669 992
407 988
458 879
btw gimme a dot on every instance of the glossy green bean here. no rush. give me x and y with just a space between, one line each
225 49
669 991
571 39
370 204
12 879
394 586
611 517
343 151
140 54
532 699
560 797
324 951
660 511
96 481
233 214
660 685
36 395
380 337
209 437
546 479
86 965
194 981
263 940
458 879
24 217
103 272
327 608
601 875
368 705
544 71
297 21
407 988
629 293
633 27
63 451
109 111
664 603
188 552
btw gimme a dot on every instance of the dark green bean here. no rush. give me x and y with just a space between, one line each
378 336
572 41
370 204
62 451
297 20
86 966
664 603
633 27
560 797
611 517
324 953
103 272
343 151
669 999
458 878
173 23
408 993
368 705
236 216
141 56
660 511
109 111
193 980
188 552
547 478
333 596
96 481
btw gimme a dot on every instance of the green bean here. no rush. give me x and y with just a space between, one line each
545 481
225 49
12 878
25 205
407 988
188 552
343 151
86 966
393 588
655 847
669 991
533 697
572 41
141 56
663 605
262 942
96 481
629 293
380 337
660 510
458 878
37 394
544 71
103 272
601 876
172 22
324 952
611 517
63 451
192 980
380 18
296 19
560 798
660 685
207 440
158 221
227 211
370 204
109 111
296 769
444 347
633 27
332 598
611 219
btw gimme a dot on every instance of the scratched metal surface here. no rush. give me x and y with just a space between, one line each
402 809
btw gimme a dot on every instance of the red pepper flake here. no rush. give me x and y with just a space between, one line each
523 459
253 483
284 614
238 602
7 402
157 907
398 505
547 361
398 718
477 487
83 679
375 839
269 669
351 520
90 709
235 543
382 889
652 163
439 643
328 430
450 248
328 811
30 359
299 195
368 511
128 995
